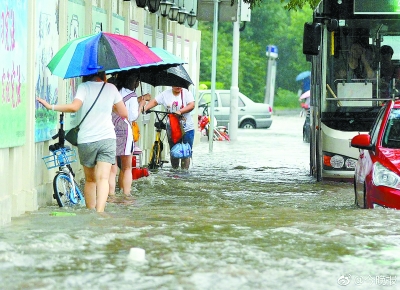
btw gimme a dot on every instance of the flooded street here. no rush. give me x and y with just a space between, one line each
246 216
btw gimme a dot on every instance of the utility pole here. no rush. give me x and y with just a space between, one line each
243 14
228 12
213 76
234 113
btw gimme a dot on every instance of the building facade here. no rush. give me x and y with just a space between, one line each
32 31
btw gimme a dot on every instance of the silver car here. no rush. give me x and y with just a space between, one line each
251 115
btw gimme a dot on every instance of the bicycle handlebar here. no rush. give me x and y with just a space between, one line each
60 135
155 111
159 112
204 105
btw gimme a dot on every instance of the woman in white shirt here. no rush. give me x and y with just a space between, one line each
126 83
96 138
179 101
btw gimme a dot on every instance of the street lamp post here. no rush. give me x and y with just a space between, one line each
153 5
165 6
173 12
141 3
182 14
191 18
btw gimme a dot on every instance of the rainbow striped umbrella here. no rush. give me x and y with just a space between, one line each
100 52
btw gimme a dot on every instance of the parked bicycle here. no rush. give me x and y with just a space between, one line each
158 146
220 132
66 190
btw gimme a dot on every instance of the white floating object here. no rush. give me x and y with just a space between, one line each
137 254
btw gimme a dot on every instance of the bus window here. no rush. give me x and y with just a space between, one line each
353 91
350 80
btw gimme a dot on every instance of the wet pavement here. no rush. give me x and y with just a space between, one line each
246 216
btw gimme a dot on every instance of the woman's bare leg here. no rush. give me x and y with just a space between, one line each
125 182
185 163
174 163
111 181
102 174
90 187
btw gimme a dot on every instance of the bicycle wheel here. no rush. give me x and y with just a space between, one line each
161 147
64 191
155 159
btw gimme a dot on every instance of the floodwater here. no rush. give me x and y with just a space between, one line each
246 216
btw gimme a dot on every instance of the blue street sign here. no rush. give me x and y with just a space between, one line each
272 51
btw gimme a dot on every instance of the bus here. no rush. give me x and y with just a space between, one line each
354 50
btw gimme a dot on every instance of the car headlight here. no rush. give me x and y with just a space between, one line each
385 177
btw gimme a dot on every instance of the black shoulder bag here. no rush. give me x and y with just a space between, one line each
72 134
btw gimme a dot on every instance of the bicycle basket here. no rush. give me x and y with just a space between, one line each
60 157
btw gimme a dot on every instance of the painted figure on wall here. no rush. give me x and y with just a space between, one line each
46 85
13 71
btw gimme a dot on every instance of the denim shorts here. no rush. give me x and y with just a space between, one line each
91 153
189 137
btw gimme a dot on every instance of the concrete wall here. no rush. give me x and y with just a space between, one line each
26 184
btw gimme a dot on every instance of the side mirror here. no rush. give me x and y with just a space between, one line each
312 38
362 141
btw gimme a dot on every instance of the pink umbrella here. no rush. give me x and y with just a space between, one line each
305 95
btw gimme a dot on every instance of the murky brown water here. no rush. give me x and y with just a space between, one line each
246 216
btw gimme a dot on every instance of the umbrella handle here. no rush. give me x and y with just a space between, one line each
141 88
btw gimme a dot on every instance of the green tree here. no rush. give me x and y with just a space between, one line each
291 4
270 24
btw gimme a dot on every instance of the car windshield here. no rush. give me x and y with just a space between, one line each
206 99
226 100
391 136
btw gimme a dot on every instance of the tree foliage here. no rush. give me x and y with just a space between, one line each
271 24
291 4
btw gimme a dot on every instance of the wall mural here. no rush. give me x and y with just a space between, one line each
75 29
118 24
100 20
13 70
46 86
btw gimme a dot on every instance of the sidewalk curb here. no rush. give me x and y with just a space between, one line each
294 112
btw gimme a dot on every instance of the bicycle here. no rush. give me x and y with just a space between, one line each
158 146
66 190
220 132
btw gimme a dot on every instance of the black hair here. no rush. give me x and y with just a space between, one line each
386 49
126 79
100 74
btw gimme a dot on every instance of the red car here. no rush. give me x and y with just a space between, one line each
377 174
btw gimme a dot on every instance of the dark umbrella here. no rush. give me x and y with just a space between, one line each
174 76
167 60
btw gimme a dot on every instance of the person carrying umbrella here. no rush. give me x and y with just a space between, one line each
96 139
305 78
179 101
126 82
90 57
